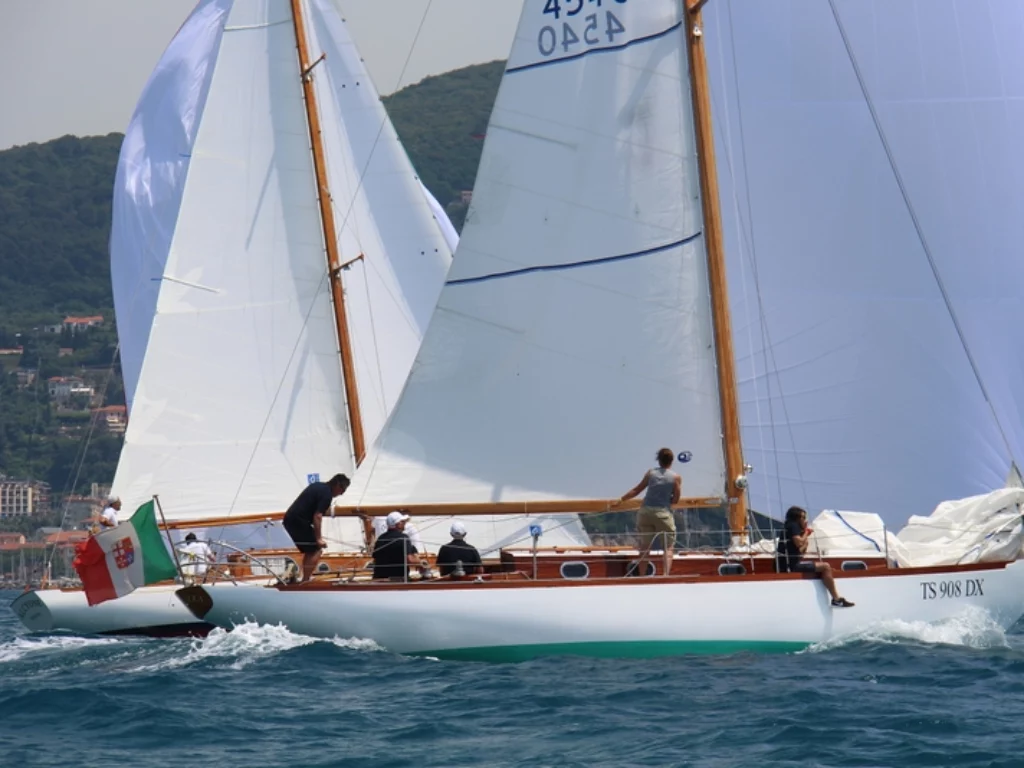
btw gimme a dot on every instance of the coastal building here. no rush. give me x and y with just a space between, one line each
63 388
82 508
23 498
75 324
112 418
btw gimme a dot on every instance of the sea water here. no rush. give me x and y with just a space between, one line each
902 694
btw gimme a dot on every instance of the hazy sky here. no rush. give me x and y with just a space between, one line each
78 66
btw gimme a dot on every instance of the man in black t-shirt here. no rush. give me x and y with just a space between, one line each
304 517
393 552
458 550
793 546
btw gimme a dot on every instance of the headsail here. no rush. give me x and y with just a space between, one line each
240 395
574 337
382 214
858 392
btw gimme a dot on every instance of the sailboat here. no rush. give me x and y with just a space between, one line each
586 322
253 364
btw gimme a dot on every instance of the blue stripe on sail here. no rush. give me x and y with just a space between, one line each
537 64
574 264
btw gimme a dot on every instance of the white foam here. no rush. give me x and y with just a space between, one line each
247 643
20 647
973 629
356 644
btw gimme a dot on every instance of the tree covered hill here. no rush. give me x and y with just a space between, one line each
54 227
55 197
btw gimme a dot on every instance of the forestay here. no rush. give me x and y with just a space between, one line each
573 338
240 398
856 389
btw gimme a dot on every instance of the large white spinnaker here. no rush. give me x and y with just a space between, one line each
240 397
857 392
574 336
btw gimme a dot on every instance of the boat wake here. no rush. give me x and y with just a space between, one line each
21 647
974 629
248 643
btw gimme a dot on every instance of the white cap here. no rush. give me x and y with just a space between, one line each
113 499
458 530
395 518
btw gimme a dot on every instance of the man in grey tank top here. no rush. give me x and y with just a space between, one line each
655 520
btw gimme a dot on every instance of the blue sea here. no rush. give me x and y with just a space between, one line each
902 695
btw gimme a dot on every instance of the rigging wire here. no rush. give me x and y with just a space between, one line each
918 228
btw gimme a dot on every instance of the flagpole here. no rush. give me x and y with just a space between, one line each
174 551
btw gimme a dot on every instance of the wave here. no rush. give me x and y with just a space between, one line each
972 629
250 642
20 647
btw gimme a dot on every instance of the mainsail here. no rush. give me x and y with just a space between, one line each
858 391
221 287
573 338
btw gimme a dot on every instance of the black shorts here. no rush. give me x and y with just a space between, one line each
303 535
801 566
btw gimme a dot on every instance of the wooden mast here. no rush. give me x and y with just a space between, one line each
716 268
334 265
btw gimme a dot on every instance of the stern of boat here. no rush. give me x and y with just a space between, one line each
31 609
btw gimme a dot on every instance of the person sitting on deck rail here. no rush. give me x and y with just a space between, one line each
306 514
654 519
393 552
108 517
793 546
456 551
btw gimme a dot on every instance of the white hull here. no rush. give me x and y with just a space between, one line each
155 611
626 618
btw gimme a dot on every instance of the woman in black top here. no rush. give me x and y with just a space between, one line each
793 546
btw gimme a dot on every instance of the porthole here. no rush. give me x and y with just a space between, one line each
854 565
731 569
575 569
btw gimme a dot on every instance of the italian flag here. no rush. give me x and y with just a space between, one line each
113 563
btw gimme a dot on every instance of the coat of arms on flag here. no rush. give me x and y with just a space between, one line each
124 552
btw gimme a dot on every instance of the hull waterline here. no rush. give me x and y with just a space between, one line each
626 618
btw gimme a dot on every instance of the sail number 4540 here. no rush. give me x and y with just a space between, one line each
935 590
588 32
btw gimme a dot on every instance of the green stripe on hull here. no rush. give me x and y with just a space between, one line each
638 649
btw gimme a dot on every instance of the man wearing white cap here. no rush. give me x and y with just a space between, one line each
380 526
393 552
108 517
458 550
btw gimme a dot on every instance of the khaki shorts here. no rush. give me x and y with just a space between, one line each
650 521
